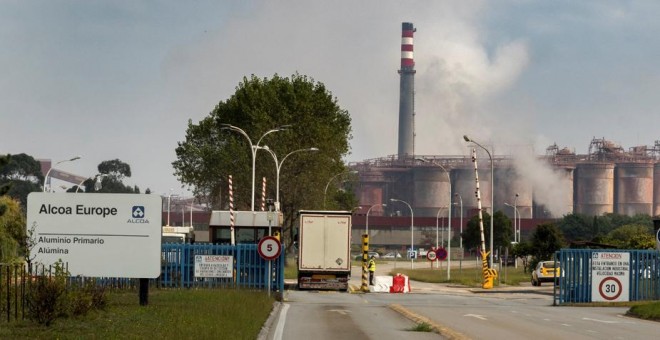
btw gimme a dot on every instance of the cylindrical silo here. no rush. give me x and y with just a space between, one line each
508 183
633 188
430 191
594 188
656 189
372 184
465 186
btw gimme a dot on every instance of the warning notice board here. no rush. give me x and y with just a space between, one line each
214 266
610 274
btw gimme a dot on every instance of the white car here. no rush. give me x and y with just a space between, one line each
391 255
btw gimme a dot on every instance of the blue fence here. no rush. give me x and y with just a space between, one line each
576 286
249 269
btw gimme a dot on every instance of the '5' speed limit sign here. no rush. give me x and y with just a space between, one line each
269 248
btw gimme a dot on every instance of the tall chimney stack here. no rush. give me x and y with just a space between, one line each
407 94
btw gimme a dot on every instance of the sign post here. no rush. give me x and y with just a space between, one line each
269 248
610 274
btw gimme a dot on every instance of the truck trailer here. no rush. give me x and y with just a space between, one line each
324 246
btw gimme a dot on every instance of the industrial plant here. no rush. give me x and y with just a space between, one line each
608 179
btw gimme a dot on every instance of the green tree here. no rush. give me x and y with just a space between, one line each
20 175
12 229
546 240
502 231
576 227
210 152
113 171
632 236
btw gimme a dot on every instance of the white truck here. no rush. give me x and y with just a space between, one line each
324 259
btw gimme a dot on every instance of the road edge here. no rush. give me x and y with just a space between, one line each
438 328
274 313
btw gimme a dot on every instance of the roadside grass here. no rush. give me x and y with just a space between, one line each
648 311
465 276
421 327
171 314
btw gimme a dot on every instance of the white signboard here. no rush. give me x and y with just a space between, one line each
214 266
97 235
610 274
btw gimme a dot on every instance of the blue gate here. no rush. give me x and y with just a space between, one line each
575 284
250 270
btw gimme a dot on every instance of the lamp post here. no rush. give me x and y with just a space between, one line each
449 214
460 240
515 214
253 147
51 168
437 217
330 181
492 194
412 247
278 166
97 182
169 201
368 211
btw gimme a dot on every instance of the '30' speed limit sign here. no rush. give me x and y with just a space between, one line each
269 248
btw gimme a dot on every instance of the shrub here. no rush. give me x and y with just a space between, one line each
46 299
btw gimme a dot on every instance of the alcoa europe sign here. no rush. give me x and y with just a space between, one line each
109 235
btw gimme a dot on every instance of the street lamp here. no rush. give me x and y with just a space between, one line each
330 181
253 147
278 166
97 182
449 215
460 240
492 195
515 213
169 201
375 205
51 168
412 248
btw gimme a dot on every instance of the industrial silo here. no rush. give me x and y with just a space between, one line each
508 183
633 188
372 185
430 191
465 186
656 189
594 188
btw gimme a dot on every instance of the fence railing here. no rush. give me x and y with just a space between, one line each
249 270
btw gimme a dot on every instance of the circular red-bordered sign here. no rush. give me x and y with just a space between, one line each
269 248
441 254
612 290
431 255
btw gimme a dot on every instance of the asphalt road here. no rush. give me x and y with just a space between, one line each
456 313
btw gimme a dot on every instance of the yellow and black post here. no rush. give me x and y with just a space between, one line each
365 258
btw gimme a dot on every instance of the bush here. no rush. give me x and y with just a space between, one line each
87 297
46 299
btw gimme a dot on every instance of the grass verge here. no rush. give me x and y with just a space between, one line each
466 276
648 311
171 314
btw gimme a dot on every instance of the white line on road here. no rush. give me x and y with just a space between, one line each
480 317
280 323
602 321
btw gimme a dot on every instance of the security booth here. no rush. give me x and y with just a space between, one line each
249 226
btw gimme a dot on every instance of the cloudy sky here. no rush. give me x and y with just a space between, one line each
121 79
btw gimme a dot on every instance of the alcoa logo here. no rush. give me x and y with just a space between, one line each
138 213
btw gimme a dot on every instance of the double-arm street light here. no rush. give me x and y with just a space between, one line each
52 167
516 218
97 182
278 166
492 194
253 147
325 192
449 213
412 243
368 211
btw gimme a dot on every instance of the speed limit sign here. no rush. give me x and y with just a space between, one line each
269 248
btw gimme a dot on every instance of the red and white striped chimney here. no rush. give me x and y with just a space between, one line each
406 94
407 31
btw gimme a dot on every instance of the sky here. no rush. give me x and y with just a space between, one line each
121 79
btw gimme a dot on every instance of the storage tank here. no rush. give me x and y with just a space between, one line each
656 189
633 188
372 186
430 191
465 186
508 183
594 188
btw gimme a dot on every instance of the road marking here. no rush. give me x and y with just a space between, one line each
280 323
602 321
340 311
480 317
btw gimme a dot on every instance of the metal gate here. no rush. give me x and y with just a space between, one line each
575 283
250 270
